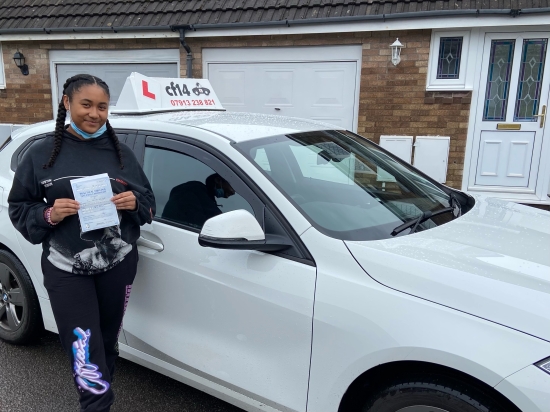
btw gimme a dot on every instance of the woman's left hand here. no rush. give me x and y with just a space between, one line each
125 201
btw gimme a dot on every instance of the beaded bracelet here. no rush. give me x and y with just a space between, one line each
48 216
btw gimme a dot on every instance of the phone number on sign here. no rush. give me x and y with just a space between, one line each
205 102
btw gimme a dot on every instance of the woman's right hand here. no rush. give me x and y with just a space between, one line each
63 208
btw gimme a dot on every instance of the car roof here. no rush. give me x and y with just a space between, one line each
237 127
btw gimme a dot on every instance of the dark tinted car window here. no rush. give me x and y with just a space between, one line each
187 191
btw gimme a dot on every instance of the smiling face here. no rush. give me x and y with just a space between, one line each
89 107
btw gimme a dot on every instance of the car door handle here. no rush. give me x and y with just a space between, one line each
158 246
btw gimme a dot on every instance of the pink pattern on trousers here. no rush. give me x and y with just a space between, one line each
126 300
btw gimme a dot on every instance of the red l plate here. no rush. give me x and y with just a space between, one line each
146 91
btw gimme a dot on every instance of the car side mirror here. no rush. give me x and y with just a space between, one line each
239 230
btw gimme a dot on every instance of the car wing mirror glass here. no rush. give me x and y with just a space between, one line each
240 230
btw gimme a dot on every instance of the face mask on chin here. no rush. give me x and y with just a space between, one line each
82 133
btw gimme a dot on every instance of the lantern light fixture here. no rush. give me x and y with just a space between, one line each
396 47
19 60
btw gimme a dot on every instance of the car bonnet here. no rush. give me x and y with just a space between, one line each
493 262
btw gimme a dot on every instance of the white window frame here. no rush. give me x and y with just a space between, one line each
106 56
2 71
465 80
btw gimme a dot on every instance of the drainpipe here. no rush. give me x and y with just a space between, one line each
189 60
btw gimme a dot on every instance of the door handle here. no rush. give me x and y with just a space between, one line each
542 116
151 244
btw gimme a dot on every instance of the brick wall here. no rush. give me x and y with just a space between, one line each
393 100
28 99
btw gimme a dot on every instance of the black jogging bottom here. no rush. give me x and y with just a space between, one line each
88 310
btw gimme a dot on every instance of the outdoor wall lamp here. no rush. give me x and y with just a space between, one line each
396 52
19 60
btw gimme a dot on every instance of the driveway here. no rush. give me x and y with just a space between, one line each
37 378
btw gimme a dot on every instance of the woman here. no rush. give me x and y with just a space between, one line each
88 275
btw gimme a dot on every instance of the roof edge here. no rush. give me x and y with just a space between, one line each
288 23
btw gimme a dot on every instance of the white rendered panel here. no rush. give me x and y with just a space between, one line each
401 146
505 158
431 155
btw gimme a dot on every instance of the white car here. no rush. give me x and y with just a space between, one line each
334 276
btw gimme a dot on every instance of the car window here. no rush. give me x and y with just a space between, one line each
313 165
5 143
187 191
261 159
17 156
347 187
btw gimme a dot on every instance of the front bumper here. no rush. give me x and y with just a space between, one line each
528 389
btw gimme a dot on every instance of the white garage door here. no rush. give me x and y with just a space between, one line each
114 74
322 91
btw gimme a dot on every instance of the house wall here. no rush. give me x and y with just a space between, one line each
28 99
393 100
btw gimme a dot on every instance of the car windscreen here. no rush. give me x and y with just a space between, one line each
348 187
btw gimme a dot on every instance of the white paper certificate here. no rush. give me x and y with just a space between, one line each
94 194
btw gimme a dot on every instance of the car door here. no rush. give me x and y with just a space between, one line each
241 319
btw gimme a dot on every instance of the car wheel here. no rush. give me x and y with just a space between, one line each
20 316
430 394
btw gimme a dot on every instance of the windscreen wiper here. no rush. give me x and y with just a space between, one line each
417 220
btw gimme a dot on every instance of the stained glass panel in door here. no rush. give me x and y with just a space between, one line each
498 79
530 79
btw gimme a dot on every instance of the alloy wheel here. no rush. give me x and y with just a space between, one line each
12 302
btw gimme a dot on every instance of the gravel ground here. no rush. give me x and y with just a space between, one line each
37 378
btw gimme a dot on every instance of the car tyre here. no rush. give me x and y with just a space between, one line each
20 315
431 394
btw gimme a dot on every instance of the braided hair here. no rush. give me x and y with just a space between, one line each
72 85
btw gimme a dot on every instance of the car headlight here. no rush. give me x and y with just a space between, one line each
544 365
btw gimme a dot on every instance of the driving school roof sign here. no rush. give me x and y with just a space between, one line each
142 94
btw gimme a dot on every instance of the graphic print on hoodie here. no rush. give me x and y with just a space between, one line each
35 188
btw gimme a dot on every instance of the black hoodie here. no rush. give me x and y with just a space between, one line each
35 188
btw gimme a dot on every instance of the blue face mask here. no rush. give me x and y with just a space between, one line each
86 135
220 192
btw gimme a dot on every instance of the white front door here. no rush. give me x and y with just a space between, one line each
509 131
323 91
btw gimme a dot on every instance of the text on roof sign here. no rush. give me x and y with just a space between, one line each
142 94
